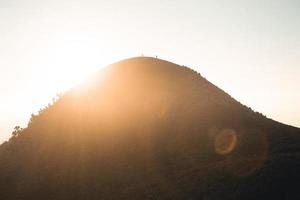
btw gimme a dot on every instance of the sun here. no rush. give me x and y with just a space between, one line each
73 77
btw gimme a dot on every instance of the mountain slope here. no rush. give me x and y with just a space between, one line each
145 128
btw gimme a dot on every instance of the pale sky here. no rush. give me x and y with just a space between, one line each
250 48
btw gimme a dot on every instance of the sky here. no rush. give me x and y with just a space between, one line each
250 49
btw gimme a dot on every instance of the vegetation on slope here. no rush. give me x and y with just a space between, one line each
145 128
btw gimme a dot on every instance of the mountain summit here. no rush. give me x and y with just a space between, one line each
145 128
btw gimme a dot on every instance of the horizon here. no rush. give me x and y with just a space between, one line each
48 47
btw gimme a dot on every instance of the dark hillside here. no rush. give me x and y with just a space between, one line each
145 128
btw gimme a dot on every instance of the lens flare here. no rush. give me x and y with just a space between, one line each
225 141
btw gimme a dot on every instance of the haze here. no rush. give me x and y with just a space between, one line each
251 49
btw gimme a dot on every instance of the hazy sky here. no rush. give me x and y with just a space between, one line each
250 48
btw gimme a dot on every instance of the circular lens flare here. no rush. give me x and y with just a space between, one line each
225 141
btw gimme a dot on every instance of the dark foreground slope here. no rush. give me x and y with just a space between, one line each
145 128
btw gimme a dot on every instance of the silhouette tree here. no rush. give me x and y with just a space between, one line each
17 131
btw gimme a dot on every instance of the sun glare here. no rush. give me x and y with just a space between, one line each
73 78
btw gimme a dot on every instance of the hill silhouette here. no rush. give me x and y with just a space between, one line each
145 128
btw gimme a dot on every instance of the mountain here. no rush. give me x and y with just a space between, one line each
145 128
